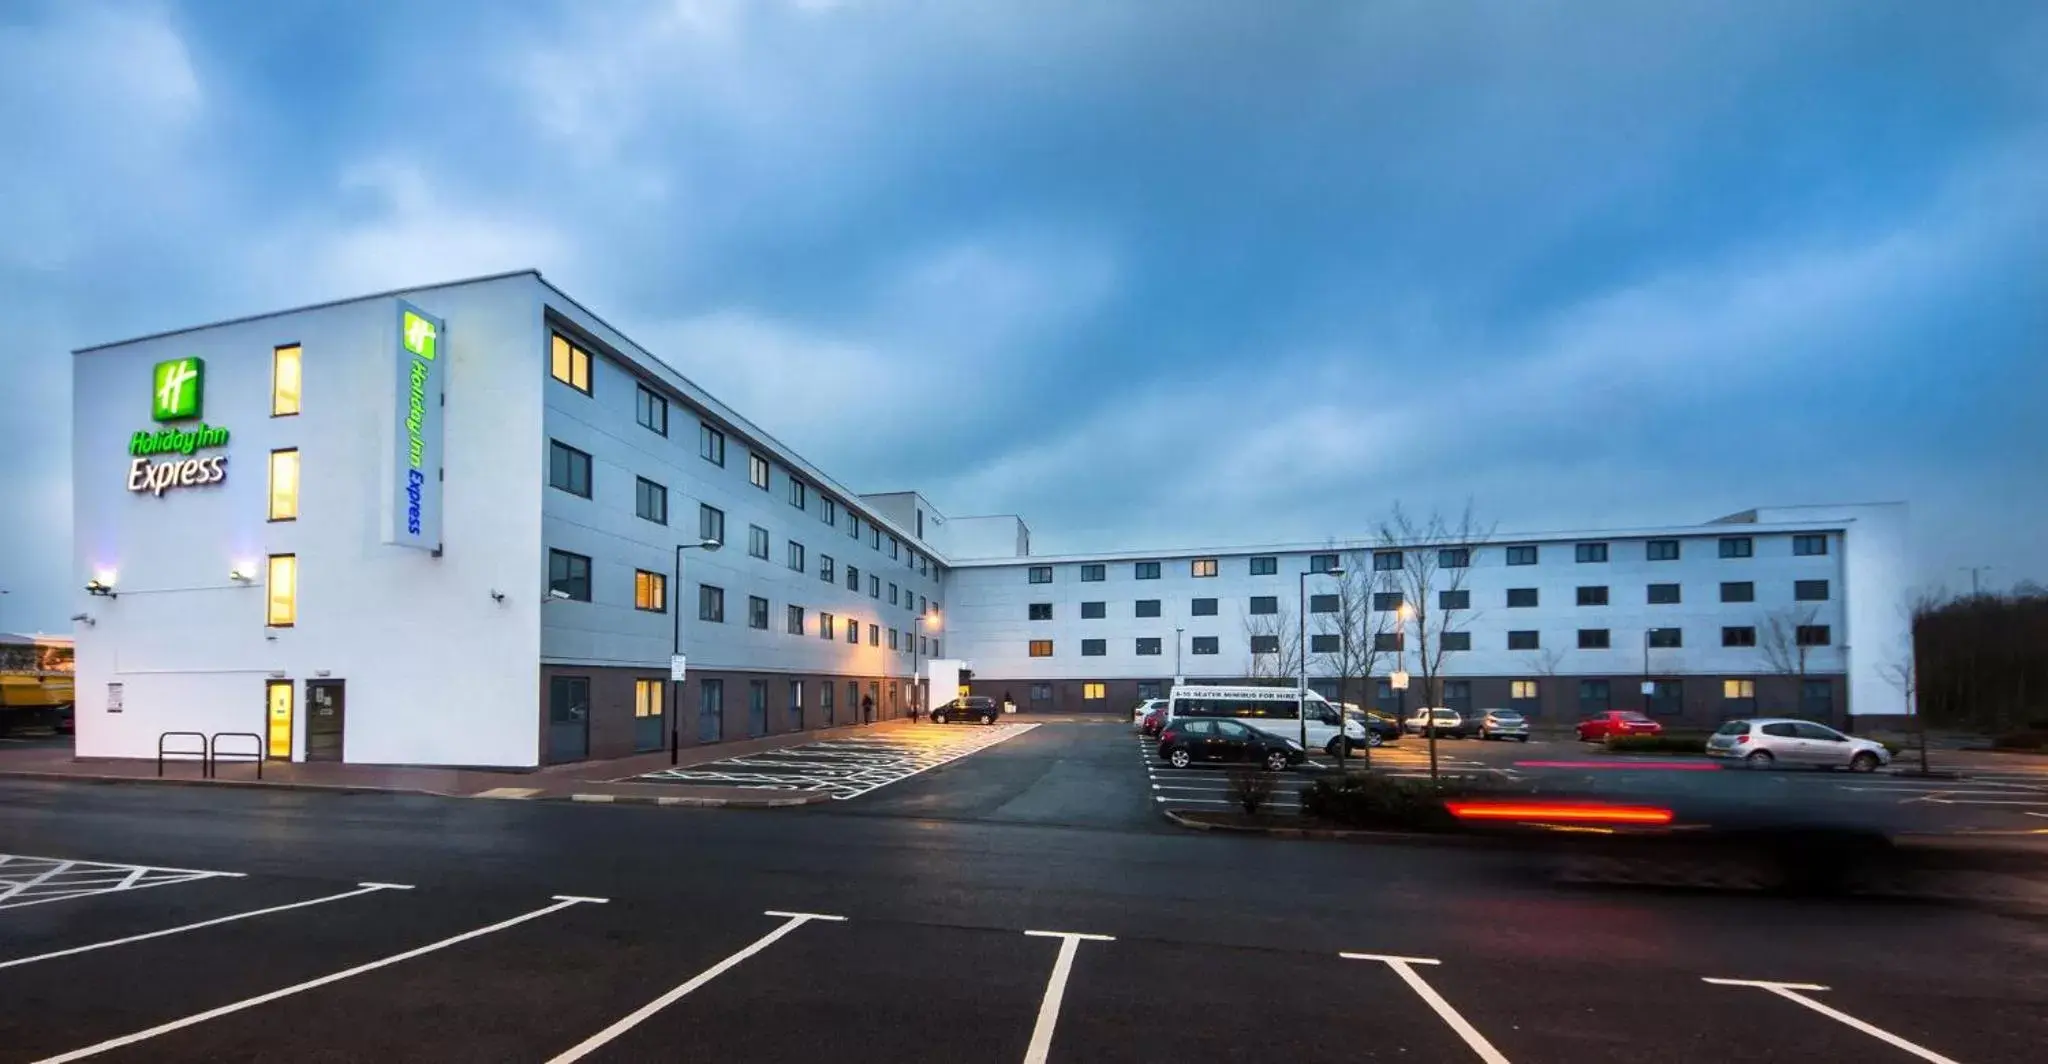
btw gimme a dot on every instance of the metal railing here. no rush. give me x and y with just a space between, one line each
204 754
215 753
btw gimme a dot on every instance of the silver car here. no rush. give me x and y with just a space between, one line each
1769 742
1503 724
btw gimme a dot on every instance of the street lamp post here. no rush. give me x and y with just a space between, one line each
1301 649
675 683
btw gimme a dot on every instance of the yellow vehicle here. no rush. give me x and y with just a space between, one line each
36 689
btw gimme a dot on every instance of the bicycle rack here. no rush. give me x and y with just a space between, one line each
204 753
214 752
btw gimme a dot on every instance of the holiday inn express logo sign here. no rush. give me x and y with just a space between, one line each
415 516
177 393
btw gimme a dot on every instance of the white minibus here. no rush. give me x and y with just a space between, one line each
1275 710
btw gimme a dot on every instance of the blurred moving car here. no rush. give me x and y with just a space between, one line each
1144 709
1154 722
1615 724
1767 742
1449 723
1188 740
1380 728
971 708
1503 724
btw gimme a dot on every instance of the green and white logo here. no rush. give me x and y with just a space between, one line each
419 336
179 384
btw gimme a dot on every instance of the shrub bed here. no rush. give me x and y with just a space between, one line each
2035 739
1365 800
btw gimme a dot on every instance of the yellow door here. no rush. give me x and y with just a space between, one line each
280 697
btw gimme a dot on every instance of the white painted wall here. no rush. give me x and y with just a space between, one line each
1877 629
437 673
1002 536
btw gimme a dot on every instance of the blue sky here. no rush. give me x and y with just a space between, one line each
1145 273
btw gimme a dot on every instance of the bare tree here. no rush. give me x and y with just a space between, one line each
1546 663
1281 665
1351 636
1784 651
1431 558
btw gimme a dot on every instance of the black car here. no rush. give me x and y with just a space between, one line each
971 708
1185 742
1379 727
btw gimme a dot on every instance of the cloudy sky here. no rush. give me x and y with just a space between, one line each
1145 272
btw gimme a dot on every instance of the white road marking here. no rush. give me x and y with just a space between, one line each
2034 814
637 1016
845 768
508 792
28 881
361 889
1404 967
1055 990
310 984
1792 992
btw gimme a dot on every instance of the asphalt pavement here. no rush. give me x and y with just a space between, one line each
1019 903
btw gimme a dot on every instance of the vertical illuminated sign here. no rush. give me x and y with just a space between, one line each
416 439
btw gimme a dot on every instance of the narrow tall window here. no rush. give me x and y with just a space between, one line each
570 364
282 594
284 381
284 485
651 410
710 444
650 591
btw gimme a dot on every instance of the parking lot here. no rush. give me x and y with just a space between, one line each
210 965
846 767
1204 786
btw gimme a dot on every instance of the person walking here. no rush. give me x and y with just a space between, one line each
867 709
1009 704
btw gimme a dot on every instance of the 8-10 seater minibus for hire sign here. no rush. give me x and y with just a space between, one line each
1274 710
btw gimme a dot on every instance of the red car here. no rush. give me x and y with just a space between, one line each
1616 723
1154 721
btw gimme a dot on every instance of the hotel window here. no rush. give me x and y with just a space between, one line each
1521 597
1667 638
1202 567
892 593
1388 642
757 542
874 586
1812 635
874 536
650 591
710 523
1330 643
1592 552
1737 546
1386 561
796 556
1148 646
1264 605
1810 590
922 607
1041 648
1740 636
874 635
1090 611
853 631
1202 645
281 596
1094 692
1738 591
650 501
1148 607
570 364
828 511
1094 573
1454 558
1522 555
1809 545
853 526
1265 565
1202 607
1040 574
826 570
1523 690
1593 639
1661 550
1265 644
795 620
924 645
568 469
893 640
1146 570
569 574
1736 689
1386 601
1524 640
1460 599
757 612
895 547
284 381
924 565
853 578
650 410
1040 611
1457 640
1593 595
647 698
828 626
1664 594
799 496
710 444
757 471
710 603
284 485
1322 603
1321 563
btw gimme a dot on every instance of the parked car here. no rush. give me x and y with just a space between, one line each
971 708
1502 724
1449 723
1155 721
1379 727
1616 723
1188 740
1771 741
1144 710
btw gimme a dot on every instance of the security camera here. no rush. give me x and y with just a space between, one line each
497 596
80 618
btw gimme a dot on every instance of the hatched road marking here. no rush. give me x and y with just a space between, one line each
845 768
35 880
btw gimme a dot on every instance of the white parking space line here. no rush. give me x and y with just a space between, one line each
1055 990
361 889
1794 992
562 901
792 921
1404 967
28 881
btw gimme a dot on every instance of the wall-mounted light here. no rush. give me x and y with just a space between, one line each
278 675
84 619
497 595
556 594
241 575
101 587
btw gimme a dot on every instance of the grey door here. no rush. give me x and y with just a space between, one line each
711 711
650 717
568 718
326 713
757 708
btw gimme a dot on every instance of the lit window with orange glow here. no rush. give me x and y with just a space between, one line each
284 485
282 610
284 381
